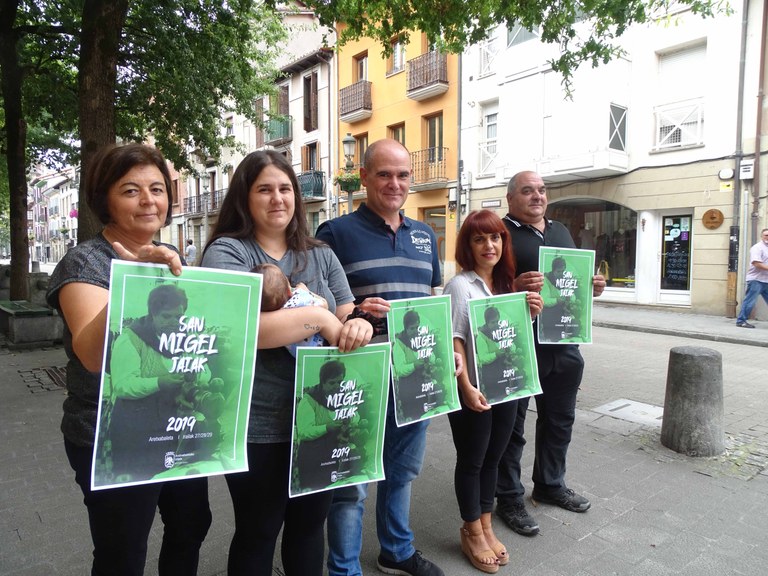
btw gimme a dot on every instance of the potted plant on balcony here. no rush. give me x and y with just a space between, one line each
347 181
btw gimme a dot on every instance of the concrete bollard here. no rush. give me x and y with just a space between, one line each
693 407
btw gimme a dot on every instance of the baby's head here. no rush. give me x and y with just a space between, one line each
275 289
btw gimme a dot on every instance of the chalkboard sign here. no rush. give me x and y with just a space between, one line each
676 253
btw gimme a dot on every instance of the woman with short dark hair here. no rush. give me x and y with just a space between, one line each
128 188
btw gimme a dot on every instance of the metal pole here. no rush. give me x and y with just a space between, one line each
205 215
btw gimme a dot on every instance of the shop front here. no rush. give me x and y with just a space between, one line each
645 256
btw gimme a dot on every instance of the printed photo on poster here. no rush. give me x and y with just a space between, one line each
339 417
177 374
423 369
567 294
502 340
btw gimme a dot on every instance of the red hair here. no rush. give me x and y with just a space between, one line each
487 222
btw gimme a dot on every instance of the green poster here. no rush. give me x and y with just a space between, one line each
423 369
505 356
567 294
177 374
339 417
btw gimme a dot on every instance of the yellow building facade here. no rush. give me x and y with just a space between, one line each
411 96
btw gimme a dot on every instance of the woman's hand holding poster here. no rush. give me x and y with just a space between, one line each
567 294
423 368
177 374
502 340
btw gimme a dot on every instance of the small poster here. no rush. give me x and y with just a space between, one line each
177 374
567 293
423 368
505 355
339 417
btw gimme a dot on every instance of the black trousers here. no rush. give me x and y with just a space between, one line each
262 507
480 439
560 371
121 518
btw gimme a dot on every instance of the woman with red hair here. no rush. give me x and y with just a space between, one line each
480 432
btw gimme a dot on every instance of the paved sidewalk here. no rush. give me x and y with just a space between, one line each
653 511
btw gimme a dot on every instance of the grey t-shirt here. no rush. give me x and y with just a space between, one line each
88 263
273 385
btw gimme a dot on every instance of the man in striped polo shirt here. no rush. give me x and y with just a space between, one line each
386 256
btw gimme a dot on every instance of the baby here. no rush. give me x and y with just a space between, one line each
277 293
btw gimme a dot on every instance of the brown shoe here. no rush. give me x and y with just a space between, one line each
498 548
486 560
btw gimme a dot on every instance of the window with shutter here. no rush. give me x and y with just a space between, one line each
310 102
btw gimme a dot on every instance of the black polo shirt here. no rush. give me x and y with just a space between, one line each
526 240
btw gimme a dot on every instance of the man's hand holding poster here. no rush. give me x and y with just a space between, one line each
567 294
177 374
339 417
423 369
505 357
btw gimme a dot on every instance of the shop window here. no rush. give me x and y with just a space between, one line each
607 228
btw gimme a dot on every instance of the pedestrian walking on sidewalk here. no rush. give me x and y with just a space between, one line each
480 432
190 253
129 189
560 369
757 280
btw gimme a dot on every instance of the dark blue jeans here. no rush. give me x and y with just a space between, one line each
754 289
560 371
404 449
121 518
262 508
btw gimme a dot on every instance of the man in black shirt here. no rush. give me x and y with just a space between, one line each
560 369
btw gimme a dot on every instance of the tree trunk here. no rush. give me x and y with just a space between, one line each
16 133
102 27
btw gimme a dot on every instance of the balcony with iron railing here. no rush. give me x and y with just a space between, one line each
427 76
430 166
278 131
355 102
312 183
196 204
217 199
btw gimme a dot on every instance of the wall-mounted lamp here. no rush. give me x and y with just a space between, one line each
452 199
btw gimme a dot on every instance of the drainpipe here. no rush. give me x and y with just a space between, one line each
332 64
459 162
733 240
758 131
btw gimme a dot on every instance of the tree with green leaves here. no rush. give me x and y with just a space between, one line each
94 71
455 24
